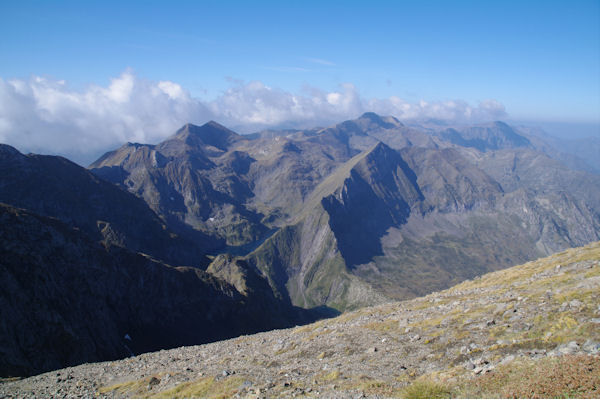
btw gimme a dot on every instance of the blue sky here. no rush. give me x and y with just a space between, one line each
538 60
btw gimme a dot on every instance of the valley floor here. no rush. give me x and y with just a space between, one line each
483 338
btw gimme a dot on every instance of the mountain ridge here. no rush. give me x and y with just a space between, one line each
282 185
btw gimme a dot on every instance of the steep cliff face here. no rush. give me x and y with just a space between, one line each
378 192
66 300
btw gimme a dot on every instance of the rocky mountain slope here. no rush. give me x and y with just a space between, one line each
56 187
366 210
487 337
67 300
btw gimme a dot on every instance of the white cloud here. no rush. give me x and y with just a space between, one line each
47 116
42 115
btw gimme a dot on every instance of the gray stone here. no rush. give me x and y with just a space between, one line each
153 382
569 348
575 304
508 359
591 346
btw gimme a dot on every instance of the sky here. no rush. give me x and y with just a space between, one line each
80 77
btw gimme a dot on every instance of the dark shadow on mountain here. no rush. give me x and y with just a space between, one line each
360 220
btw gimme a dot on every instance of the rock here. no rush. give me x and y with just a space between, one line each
507 359
591 347
480 361
372 350
568 349
153 382
575 304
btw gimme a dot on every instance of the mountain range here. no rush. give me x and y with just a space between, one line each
304 223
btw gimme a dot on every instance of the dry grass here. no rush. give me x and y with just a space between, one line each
563 377
207 388
129 388
425 389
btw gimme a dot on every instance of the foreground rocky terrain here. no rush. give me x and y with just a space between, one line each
531 330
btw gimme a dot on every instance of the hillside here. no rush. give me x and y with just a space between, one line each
68 300
56 187
481 338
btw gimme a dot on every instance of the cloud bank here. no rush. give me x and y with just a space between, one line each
46 116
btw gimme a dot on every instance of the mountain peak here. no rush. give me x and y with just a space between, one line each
387 122
501 124
490 136
7 150
371 116
215 125
211 133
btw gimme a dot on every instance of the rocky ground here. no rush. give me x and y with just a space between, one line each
526 315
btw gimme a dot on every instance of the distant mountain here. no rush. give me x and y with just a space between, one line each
67 300
492 136
367 209
579 154
172 178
